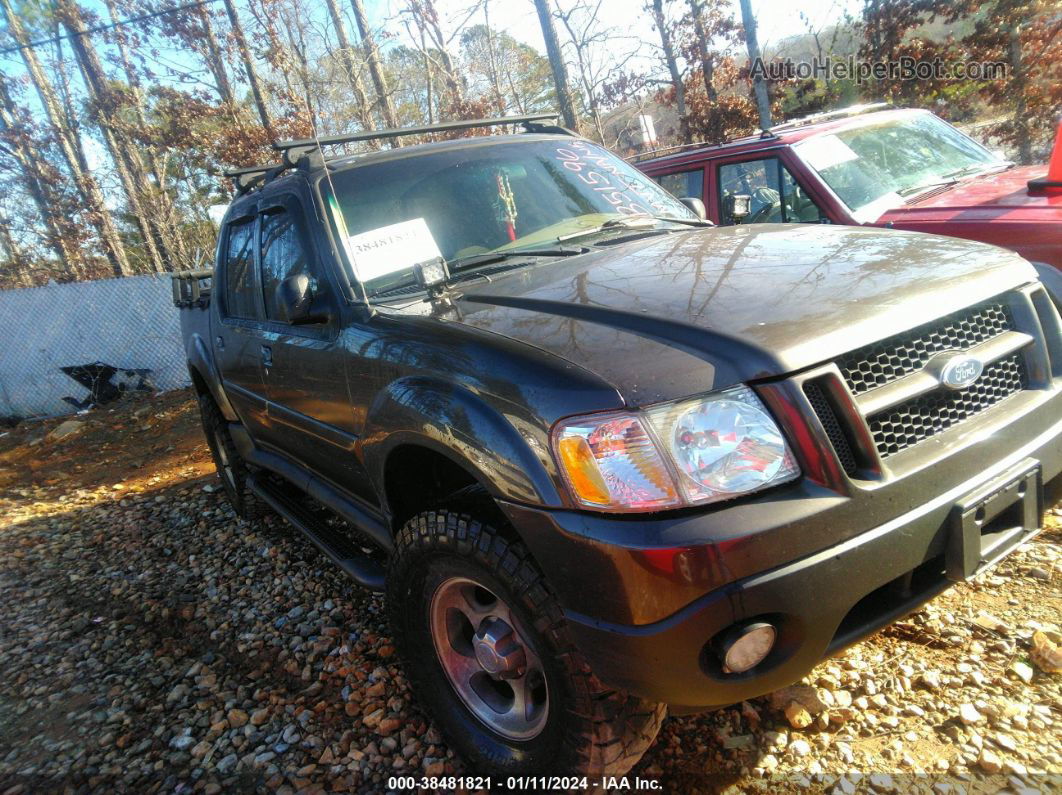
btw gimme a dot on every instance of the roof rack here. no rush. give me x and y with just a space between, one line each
841 113
293 150
764 135
251 177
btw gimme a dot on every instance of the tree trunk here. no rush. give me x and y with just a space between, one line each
66 138
214 60
668 46
258 90
372 55
1017 72
17 259
763 105
346 54
556 62
701 40
492 62
427 19
125 155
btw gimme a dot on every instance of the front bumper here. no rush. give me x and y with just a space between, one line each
645 597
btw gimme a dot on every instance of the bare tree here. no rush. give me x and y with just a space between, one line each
601 52
425 16
556 60
667 46
352 68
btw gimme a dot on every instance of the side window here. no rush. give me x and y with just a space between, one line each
284 254
239 271
776 196
685 184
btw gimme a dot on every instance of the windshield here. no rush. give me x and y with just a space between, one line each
506 196
877 166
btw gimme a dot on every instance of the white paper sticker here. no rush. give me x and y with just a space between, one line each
824 151
391 248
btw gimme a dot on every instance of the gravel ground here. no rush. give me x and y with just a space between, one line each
153 642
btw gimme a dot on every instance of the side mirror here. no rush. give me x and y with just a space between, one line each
737 206
294 298
695 206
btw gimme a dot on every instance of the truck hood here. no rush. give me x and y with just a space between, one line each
1003 195
698 310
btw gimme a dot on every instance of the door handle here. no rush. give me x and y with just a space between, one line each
267 356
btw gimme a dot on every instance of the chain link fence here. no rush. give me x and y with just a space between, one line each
65 347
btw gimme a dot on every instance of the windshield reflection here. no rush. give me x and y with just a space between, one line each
497 196
880 165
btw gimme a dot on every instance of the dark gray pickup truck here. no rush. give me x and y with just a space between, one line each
604 459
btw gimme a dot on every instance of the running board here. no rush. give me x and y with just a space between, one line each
343 552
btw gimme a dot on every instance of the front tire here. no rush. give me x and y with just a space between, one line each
487 648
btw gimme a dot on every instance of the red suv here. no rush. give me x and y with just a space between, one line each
902 169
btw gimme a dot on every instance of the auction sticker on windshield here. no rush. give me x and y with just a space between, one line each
391 248
825 151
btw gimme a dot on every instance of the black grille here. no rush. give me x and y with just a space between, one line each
895 357
909 423
828 417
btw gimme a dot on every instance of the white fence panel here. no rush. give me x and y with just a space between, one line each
129 325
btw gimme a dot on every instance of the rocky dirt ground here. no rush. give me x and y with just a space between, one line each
152 642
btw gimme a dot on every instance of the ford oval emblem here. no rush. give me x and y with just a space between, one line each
959 372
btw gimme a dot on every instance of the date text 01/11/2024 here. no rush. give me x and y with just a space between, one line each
541 783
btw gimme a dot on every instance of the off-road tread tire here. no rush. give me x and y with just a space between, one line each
608 730
244 502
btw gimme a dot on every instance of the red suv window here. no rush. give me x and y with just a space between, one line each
776 195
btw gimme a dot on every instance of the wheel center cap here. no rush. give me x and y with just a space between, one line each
487 657
497 649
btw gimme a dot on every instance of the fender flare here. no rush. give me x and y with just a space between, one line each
453 421
201 363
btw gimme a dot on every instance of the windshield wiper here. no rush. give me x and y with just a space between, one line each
975 168
488 257
685 221
915 189
626 222
460 264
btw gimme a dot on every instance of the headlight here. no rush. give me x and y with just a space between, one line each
692 452
723 445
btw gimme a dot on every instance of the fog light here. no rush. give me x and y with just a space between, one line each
746 647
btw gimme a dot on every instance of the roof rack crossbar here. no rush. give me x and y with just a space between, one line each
250 176
677 148
237 172
293 149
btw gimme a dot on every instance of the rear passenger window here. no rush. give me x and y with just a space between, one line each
686 184
239 271
284 254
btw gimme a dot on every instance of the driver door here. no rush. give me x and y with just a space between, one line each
304 366
777 196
